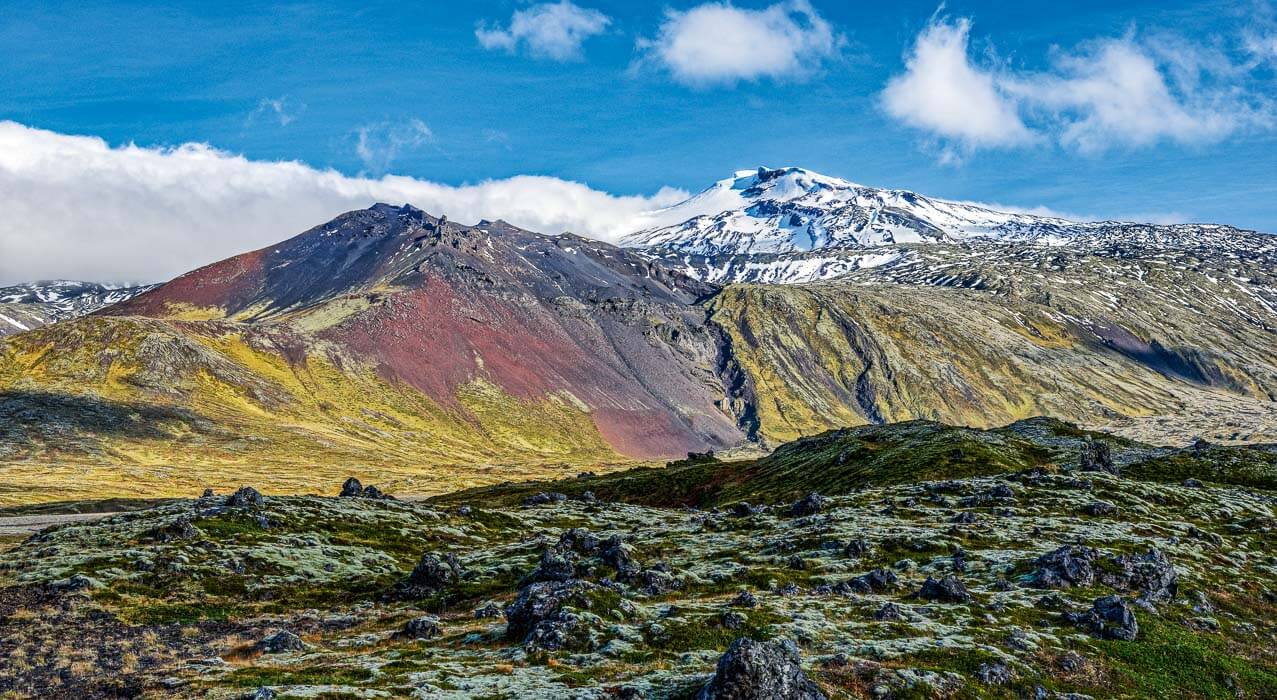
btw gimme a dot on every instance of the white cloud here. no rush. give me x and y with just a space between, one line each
378 145
719 43
942 92
77 207
282 110
1120 93
1127 92
548 30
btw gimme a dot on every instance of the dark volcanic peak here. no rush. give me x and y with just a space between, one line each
388 247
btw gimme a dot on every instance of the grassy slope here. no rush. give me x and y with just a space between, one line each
844 461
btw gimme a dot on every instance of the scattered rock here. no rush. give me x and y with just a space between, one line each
1100 509
889 612
1150 573
1070 565
744 599
810 504
245 497
948 590
1097 457
1193 484
352 488
487 610
424 627
542 601
431 575
178 530
995 673
208 493
1110 617
753 670
876 581
280 643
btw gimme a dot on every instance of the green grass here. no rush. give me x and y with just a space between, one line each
255 677
1170 660
1251 466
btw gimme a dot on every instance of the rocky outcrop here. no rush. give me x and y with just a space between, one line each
753 670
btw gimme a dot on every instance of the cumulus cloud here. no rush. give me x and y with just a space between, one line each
1126 92
76 207
554 30
719 43
943 92
378 145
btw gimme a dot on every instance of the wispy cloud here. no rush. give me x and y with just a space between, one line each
379 145
944 93
281 109
718 43
1131 91
148 214
554 30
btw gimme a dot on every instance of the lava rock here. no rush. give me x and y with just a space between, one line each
246 497
996 673
1150 573
424 627
281 642
1097 457
876 581
486 611
1100 509
753 670
810 504
1070 565
208 493
858 547
1110 617
889 612
351 489
555 565
744 599
431 575
542 601
180 529
948 590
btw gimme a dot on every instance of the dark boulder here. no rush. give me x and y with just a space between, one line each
178 530
1110 617
246 497
619 556
753 670
1151 573
280 643
1100 509
1070 565
859 547
744 599
351 489
542 601
995 673
424 627
889 612
876 581
486 611
431 575
555 565
947 590
1097 457
810 504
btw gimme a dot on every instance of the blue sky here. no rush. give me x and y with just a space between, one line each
1021 104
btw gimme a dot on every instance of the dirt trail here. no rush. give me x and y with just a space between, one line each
22 525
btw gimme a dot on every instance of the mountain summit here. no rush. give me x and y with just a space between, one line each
785 218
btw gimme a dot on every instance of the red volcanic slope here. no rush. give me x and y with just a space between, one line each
532 314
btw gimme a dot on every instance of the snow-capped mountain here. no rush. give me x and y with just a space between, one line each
34 304
794 225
